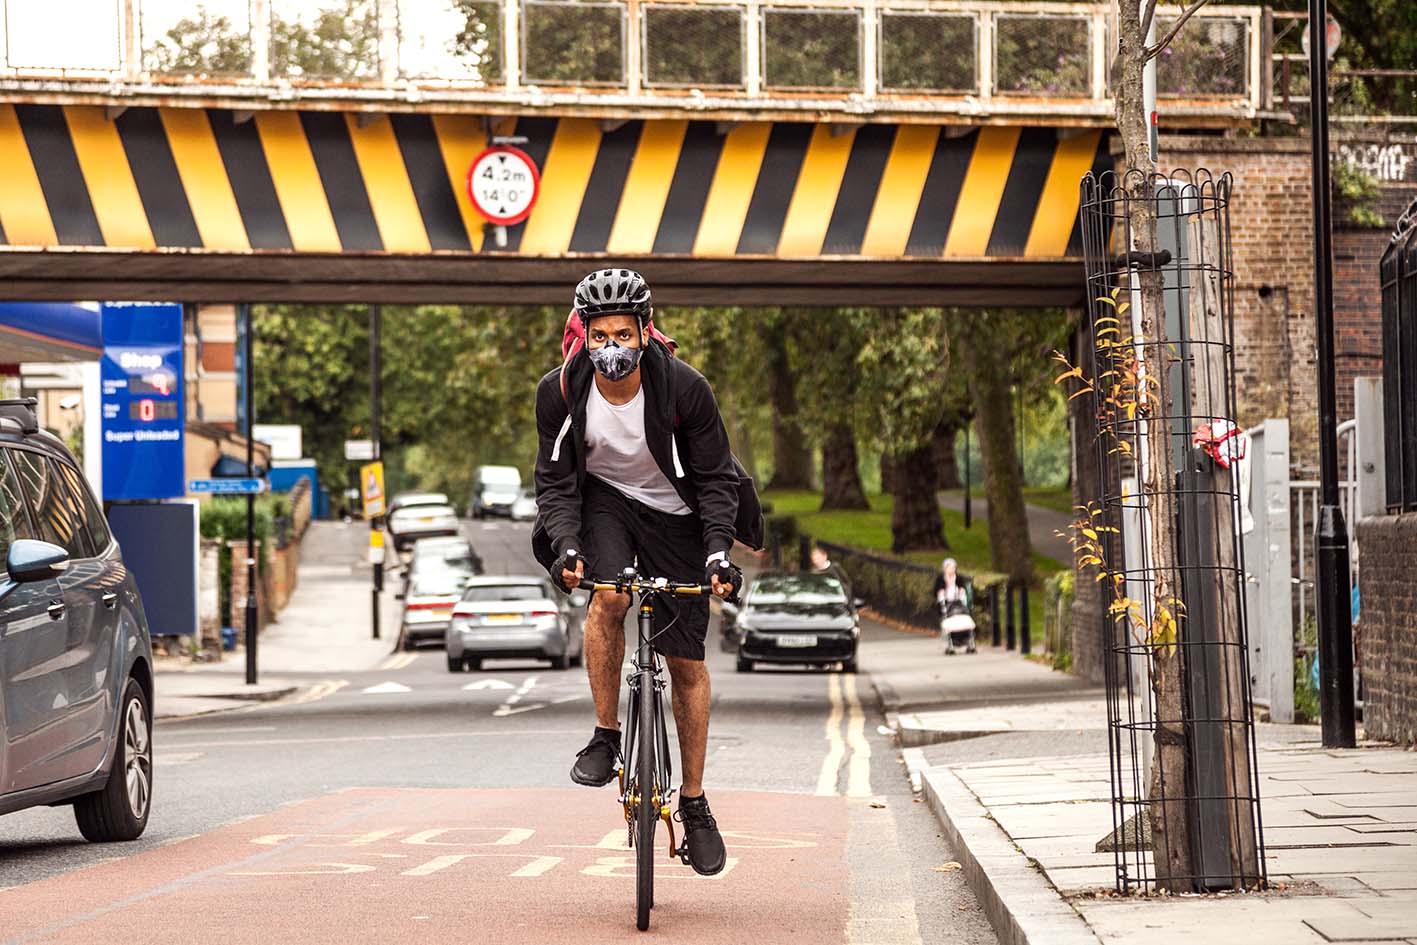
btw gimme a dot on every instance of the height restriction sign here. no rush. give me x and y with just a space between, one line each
503 184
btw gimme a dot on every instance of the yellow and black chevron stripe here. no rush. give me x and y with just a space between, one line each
175 178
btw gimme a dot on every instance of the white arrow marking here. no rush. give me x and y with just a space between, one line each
506 710
486 684
387 687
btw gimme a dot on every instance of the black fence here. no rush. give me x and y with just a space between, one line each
1398 272
1164 539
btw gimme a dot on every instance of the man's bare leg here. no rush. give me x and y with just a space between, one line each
691 692
605 654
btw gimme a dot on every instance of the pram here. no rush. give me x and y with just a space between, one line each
956 627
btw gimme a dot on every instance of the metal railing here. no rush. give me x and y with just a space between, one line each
975 55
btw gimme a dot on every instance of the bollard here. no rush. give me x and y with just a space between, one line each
1011 633
804 552
1025 643
996 617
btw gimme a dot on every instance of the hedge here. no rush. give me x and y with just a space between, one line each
904 590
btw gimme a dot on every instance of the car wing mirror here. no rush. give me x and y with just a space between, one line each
579 598
858 602
33 560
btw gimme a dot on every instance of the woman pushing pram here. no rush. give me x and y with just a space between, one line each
954 596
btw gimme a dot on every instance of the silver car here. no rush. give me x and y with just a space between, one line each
76 682
515 617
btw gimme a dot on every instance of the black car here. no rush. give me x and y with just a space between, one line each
793 618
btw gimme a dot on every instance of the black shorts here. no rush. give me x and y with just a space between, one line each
620 532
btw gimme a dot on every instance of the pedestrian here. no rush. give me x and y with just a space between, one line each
951 587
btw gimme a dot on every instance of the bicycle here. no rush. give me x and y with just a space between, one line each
645 771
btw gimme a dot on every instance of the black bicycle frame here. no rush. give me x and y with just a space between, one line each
647 671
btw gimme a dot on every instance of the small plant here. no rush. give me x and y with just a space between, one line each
1358 193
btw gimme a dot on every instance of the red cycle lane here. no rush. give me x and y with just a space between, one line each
450 866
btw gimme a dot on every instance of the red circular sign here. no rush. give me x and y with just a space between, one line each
503 184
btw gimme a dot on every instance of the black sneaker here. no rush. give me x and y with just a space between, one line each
701 837
595 763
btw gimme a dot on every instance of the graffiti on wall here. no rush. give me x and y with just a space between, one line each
1386 162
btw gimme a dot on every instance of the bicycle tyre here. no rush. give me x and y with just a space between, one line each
647 812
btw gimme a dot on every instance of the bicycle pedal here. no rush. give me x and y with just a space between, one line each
683 853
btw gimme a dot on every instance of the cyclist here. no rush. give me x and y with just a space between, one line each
633 468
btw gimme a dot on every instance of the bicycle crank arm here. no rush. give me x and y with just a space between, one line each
669 822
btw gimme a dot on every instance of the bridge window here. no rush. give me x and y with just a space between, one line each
928 52
1042 55
568 43
211 38
811 49
91 39
325 39
693 46
1209 58
459 40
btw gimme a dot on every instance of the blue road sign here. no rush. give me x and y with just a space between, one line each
143 406
227 486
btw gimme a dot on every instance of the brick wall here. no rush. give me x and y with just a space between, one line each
1272 238
1357 315
1387 629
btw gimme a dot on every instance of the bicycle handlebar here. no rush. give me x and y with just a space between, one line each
644 585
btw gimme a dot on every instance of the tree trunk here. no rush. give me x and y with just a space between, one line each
792 460
944 446
841 473
887 465
915 520
1170 822
1010 548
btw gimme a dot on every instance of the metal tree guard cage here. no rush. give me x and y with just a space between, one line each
1165 537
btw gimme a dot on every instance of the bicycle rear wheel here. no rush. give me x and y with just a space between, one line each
647 811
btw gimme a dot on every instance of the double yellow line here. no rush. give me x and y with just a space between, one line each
845 706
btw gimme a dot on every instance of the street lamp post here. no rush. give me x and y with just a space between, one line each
248 376
1330 532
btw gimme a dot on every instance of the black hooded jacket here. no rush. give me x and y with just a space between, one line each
685 435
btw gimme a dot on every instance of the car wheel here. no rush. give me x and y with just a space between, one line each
119 810
406 642
849 666
455 664
744 666
474 663
561 661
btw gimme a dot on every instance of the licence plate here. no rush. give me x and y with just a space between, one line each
790 640
503 618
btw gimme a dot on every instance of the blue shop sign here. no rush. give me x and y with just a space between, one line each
144 410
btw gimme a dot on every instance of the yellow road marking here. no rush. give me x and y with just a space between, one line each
831 764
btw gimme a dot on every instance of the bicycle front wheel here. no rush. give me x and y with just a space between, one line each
647 812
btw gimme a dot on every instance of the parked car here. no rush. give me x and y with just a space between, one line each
76 681
412 522
403 500
524 509
494 490
792 618
515 617
428 606
444 553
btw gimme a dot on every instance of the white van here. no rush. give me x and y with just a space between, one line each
494 490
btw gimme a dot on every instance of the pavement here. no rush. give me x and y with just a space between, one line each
1012 758
1044 524
324 632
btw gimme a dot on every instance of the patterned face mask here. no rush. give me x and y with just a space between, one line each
615 363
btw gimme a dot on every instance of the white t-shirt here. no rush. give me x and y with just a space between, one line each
618 453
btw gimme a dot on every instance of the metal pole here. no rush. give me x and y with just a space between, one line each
1011 639
249 373
1025 636
968 491
376 365
1331 533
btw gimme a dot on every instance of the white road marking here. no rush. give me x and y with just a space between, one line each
537 866
386 688
487 684
859 773
509 837
836 748
504 711
505 708
410 736
226 730
334 869
163 759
